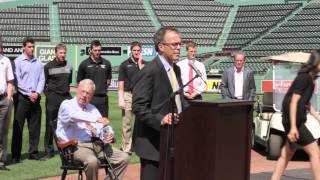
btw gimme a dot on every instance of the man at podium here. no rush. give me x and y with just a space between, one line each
151 100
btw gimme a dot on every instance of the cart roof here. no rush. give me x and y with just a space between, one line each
297 57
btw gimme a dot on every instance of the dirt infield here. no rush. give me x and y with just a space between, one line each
259 164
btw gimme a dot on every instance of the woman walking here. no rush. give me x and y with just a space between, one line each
295 106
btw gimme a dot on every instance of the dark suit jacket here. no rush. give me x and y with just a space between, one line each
227 84
150 104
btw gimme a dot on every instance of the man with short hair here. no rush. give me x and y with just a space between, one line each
6 92
58 76
127 73
79 120
198 86
99 71
30 83
238 81
151 100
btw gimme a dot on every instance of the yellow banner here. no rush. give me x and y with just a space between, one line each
213 85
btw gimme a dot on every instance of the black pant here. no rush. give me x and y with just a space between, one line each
149 170
25 109
53 101
101 103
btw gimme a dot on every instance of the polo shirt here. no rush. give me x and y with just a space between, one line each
6 73
58 77
127 73
98 72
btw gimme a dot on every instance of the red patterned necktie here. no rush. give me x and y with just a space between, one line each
190 86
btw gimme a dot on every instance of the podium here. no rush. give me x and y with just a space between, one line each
212 142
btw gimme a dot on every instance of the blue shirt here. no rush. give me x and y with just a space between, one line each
76 124
29 75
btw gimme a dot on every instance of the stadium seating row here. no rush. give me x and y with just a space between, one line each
17 23
253 21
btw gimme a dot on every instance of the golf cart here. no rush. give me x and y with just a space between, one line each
268 130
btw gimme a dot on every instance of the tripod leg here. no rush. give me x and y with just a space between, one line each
106 170
64 174
80 175
110 169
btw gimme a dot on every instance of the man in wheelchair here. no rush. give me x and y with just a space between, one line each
81 122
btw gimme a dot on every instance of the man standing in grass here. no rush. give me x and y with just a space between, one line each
99 71
30 83
237 81
6 91
58 76
127 73
198 86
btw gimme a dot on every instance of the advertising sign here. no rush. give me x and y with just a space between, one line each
213 85
10 50
147 50
114 85
110 51
45 53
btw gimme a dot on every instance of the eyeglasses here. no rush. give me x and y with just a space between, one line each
172 45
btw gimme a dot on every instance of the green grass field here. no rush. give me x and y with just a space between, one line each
35 169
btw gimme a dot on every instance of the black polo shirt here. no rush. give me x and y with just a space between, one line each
58 77
98 72
127 72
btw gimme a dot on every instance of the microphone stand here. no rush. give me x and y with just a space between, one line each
171 136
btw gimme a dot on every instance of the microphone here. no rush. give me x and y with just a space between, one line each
191 64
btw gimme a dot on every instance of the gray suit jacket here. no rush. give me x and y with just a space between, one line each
228 87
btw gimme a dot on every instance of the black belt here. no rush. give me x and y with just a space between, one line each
60 93
100 95
25 96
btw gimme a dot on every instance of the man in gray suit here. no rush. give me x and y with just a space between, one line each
238 82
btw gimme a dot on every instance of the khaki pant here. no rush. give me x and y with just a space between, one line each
89 153
5 116
127 123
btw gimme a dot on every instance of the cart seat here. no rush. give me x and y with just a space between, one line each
267 103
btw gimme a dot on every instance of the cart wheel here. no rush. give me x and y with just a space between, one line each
274 146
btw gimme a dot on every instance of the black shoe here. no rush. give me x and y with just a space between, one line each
35 157
48 156
15 160
4 168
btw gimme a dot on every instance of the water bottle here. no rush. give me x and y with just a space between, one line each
106 130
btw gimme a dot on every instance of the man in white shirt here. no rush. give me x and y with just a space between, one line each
78 120
6 91
238 82
194 90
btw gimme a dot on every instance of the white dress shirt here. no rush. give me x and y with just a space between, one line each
238 84
74 123
198 84
6 73
167 67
